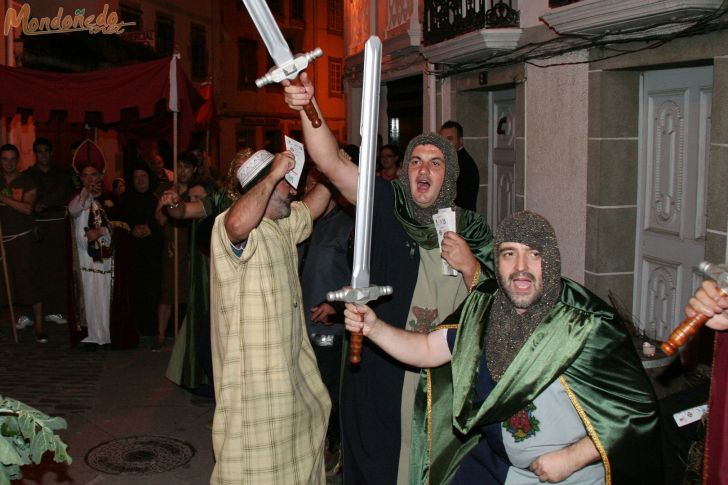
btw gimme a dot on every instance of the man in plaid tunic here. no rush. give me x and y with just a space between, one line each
272 408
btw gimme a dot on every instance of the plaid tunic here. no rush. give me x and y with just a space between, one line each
272 408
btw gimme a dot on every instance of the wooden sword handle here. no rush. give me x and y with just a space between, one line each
683 332
309 108
355 344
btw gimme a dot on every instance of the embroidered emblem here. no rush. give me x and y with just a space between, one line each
523 424
424 318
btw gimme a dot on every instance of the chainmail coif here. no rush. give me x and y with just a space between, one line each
448 191
507 330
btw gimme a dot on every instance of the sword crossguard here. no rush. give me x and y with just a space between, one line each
289 70
359 295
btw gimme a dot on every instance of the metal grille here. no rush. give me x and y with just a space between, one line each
447 19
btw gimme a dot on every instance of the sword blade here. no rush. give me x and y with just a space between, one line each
367 162
268 29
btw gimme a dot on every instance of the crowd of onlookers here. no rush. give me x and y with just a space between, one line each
76 252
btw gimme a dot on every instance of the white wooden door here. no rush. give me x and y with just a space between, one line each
673 143
501 156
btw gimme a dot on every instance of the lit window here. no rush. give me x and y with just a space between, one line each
336 80
247 63
335 16
198 52
165 35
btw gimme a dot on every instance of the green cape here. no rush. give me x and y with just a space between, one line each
471 226
582 343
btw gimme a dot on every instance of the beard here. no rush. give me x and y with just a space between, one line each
519 300
282 206
285 208
95 189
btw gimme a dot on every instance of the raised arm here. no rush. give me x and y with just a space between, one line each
178 208
321 143
317 200
247 212
412 348
79 203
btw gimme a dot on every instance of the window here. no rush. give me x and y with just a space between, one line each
394 131
336 79
198 52
131 13
335 16
272 141
244 136
165 35
247 63
560 3
276 7
298 10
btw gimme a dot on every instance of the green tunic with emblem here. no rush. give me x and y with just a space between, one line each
581 342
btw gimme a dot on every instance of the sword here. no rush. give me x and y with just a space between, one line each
287 65
361 291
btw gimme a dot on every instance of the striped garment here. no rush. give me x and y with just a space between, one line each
272 408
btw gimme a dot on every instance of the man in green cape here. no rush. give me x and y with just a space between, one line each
532 379
377 395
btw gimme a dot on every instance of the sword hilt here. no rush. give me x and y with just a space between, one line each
290 70
309 108
360 296
689 326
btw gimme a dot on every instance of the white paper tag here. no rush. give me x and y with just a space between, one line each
294 175
690 415
445 221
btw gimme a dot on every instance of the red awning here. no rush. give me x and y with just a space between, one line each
90 95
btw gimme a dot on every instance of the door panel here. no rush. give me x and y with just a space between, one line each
501 156
675 125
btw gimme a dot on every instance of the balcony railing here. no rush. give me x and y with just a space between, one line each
561 3
446 19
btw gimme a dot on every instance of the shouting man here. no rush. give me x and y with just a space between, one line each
377 395
543 382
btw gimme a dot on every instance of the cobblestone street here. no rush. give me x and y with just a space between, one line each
104 395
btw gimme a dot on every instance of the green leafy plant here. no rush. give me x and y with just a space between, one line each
25 435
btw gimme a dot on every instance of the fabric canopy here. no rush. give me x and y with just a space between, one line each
105 93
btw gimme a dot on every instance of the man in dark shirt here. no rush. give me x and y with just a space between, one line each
54 191
326 268
469 178
17 199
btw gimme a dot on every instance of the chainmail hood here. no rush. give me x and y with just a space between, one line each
507 330
448 191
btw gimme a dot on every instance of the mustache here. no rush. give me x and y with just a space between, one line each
522 275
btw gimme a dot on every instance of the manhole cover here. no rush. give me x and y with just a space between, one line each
139 455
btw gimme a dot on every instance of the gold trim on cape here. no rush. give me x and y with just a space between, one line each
590 431
446 326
